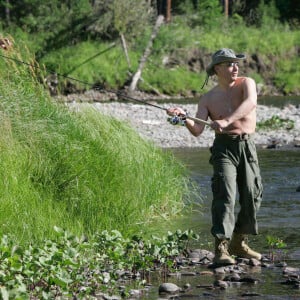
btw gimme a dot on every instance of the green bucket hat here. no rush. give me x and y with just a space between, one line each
220 56
223 55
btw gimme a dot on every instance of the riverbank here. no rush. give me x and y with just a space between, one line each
195 275
151 123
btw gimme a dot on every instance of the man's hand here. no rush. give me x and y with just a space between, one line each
176 111
219 125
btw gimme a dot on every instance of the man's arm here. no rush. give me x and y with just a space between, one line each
202 113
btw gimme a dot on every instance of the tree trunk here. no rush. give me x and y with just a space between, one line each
226 7
168 12
124 45
7 12
147 52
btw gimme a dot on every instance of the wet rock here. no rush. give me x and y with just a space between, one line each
205 273
185 273
220 270
249 279
254 262
292 281
242 261
298 189
113 297
187 287
200 255
281 264
291 271
251 294
168 288
135 293
221 284
275 144
233 277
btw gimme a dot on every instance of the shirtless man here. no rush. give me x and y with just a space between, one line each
231 106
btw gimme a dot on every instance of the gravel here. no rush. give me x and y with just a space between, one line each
151 123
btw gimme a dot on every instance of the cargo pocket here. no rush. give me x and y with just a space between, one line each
251 152
258 190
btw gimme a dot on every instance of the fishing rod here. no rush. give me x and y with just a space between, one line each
174 119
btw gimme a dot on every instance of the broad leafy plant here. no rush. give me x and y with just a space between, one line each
76 266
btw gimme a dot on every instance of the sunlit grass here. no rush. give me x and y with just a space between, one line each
84 172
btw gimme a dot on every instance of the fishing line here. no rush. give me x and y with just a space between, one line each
174 119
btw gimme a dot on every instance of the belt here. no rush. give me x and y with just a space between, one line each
234 137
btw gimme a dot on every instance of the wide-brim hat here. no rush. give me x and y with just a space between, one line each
221 56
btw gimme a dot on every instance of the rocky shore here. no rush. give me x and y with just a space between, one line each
151 123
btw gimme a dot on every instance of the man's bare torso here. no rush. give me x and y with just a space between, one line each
220 103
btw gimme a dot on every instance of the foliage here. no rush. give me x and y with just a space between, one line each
72 266
80 29
207 14
177 80
82 171
93 63
112 18
276 248
288 78
54 24
275 122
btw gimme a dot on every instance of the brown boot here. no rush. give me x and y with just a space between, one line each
222 257
238 247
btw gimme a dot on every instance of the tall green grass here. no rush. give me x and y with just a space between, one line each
84 172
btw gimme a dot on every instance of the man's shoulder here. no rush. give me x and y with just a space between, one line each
210 93
244 79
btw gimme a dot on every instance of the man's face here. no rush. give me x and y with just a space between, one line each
228 70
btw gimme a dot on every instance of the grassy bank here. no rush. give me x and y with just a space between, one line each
80 171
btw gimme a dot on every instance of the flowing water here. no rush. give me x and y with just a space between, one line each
279 217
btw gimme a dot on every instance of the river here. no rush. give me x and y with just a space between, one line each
279 214
279 217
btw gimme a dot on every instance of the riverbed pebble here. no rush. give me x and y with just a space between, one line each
168 288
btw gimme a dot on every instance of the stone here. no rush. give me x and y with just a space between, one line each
168 288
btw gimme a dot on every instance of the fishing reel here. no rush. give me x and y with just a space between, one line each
177 120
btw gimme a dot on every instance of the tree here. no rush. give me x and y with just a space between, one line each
114 17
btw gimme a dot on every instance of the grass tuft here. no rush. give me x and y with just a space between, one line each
83 172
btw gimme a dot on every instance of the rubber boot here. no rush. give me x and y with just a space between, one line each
238 247
222 257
